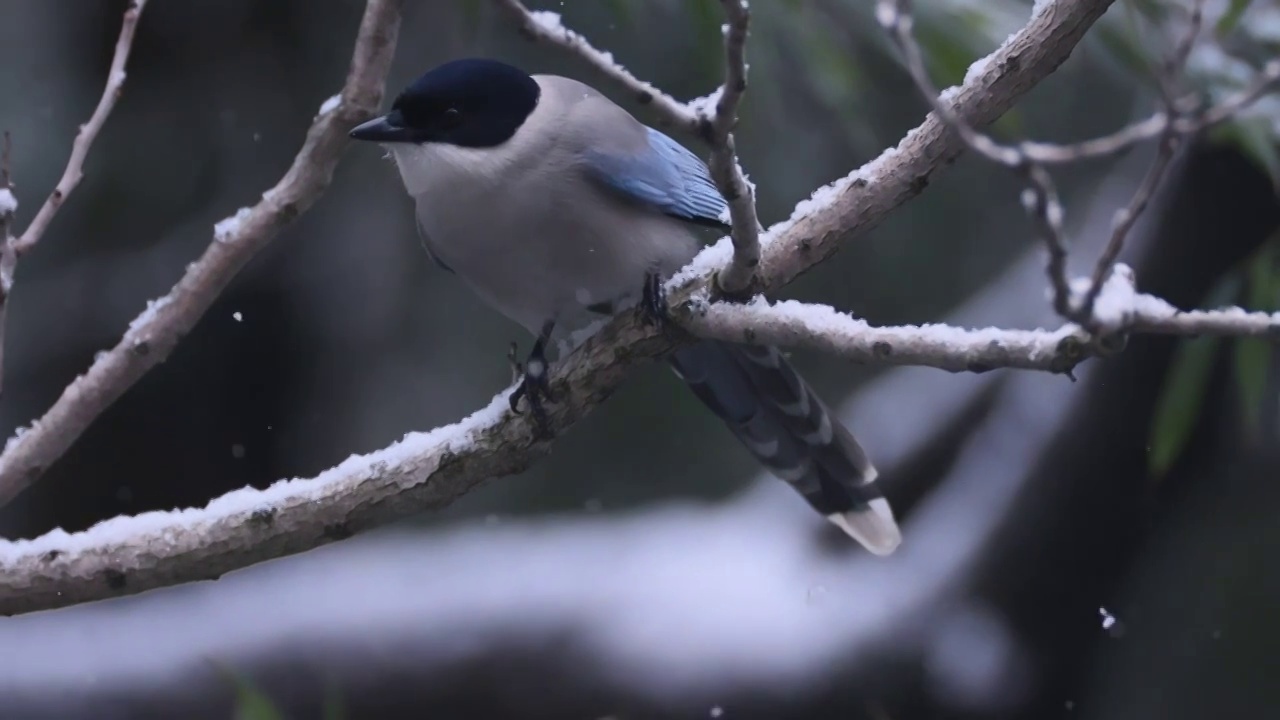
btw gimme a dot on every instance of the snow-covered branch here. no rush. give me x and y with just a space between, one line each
12 248
703 593
154 333
429 470
1121 309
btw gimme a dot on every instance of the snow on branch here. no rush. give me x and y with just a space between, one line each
154 333
1120 310
12 248
429 470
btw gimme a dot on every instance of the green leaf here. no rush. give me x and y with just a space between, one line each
1231 18
333 708
946 55
1180 400
1184 388
251 703
1253 355
1253 359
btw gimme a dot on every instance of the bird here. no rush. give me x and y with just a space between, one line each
555 205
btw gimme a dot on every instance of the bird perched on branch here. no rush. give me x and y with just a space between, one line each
553 204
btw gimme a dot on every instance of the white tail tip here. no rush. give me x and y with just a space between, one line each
872 526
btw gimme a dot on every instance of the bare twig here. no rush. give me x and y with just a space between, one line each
6 157
1169 79
8 258
736 279
1185 123
430 470
14 247
545 26
1041 198
88 132
154 333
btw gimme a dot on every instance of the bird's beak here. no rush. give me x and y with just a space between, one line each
380 129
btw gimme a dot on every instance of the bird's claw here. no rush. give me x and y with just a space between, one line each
517 369
653 302
535 388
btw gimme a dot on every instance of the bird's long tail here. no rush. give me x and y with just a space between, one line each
777 416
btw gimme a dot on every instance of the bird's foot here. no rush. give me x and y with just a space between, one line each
513 358
653 302
534 387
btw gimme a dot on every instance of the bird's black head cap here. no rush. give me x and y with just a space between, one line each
472 102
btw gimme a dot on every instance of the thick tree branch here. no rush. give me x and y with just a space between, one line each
1185 122
547 597
153 334
429 470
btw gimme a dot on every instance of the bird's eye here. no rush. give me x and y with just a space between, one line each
451 118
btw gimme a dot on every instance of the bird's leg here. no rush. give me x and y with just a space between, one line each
653 301
517 369
534 387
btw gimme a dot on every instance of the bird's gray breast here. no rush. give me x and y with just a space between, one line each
546 242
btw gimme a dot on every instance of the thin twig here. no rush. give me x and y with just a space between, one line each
8 258
1169 80
6 157
14 247
545 26
153 334
88 132
736 279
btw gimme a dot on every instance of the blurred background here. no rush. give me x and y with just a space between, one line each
1126 561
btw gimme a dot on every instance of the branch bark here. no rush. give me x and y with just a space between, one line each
429 470
153 334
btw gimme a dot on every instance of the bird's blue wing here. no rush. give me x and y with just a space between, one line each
665 176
